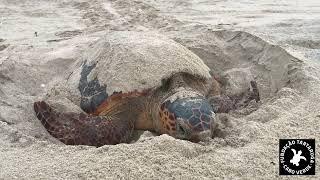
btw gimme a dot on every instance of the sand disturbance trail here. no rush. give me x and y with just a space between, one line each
246 142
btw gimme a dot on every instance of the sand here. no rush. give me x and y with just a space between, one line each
277 42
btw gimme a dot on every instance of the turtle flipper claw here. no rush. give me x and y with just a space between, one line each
83 129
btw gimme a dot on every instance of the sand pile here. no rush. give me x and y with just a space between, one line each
245 146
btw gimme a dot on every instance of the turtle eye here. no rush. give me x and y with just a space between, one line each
183 130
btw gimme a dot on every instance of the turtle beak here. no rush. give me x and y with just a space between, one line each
187 132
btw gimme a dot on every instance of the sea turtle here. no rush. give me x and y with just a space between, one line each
133 80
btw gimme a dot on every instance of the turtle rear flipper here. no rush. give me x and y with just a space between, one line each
83 129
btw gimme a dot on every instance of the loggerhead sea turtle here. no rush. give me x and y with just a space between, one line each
133 80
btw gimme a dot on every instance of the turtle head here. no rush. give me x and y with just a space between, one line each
186 117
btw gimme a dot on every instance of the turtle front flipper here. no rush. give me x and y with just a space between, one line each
226 102
83 129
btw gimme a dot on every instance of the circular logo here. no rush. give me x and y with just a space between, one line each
297 157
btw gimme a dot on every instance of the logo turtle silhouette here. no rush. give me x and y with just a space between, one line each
297 157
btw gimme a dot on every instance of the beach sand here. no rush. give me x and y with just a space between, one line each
277 41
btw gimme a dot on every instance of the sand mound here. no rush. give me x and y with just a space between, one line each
225 51
246 143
